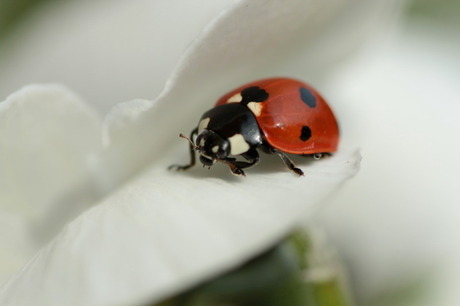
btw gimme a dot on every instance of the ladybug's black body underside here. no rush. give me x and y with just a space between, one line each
223 123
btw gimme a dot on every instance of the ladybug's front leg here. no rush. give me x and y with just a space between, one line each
236 167
191 151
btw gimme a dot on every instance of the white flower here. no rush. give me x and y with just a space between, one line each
398 221
134 231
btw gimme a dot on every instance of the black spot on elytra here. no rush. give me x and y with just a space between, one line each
305 133
307 97
253 94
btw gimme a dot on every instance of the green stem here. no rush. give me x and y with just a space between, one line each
299 271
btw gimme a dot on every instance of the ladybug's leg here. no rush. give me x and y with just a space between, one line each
289 163
236 167
192 154
318 156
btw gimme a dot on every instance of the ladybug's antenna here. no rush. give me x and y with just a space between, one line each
189 140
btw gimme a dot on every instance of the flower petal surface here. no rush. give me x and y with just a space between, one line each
48 140
167 231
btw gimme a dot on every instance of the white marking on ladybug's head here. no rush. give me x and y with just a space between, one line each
235 98
203 124
255 107
211 146
238 144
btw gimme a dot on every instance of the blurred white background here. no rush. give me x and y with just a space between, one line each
398 221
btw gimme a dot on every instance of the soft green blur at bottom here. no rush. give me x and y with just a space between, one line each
277 277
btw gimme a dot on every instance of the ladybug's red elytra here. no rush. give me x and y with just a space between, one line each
275 115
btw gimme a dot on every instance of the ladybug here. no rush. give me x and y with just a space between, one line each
275 115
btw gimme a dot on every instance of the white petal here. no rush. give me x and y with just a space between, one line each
246 41
169 230
17 243
400 218
47 139
109 51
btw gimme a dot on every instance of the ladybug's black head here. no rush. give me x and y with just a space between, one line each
211 147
